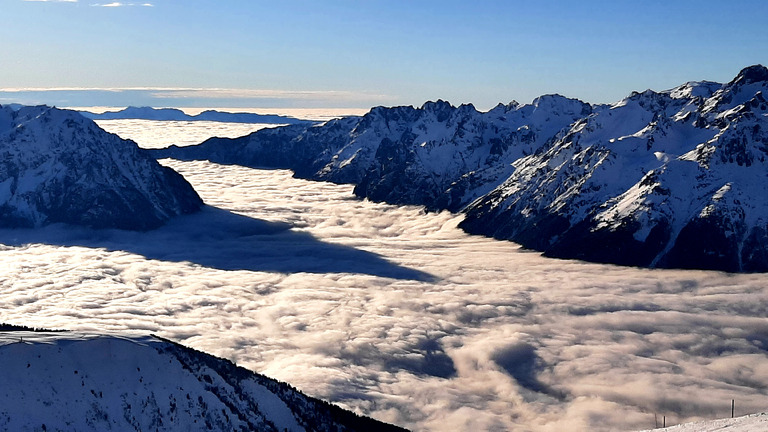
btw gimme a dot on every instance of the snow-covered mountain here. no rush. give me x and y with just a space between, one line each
439 156
58 166
62 381
660 179
668 179
173 114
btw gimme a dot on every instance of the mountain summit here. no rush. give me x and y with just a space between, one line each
58 166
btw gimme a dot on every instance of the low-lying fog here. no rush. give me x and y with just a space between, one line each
396 313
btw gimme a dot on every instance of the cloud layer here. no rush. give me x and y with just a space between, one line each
501 339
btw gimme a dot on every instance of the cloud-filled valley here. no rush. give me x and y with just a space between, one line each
419 324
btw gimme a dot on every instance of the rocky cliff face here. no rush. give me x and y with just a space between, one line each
57 166
86 382
660 179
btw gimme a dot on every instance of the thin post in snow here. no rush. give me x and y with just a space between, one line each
733 406
665 421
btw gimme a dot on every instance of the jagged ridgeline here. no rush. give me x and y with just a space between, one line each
660 179
438 156
58 166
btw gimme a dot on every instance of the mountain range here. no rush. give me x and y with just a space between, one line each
672 179
64 381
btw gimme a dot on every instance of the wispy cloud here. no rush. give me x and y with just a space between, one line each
206 93
118 4
219 93
112 4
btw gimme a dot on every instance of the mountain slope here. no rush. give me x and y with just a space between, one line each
69 381
669 179
57 166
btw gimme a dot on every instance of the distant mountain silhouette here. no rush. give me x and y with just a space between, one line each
173 114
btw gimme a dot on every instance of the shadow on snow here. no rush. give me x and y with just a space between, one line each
220 239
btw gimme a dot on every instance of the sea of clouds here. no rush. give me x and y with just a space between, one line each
396 313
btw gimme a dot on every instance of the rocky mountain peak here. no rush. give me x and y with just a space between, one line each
695 89
751 74
467 108
501 109
559 104
440 108
549 99
58 166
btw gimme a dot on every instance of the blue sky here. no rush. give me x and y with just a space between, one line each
335 53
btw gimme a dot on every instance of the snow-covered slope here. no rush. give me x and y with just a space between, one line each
57 166
749 423
670 179
439 156
71 381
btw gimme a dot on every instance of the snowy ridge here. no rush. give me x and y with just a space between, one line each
98 382
750 423
659 179
58 166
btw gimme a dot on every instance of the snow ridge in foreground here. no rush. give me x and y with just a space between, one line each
99 382
749 423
